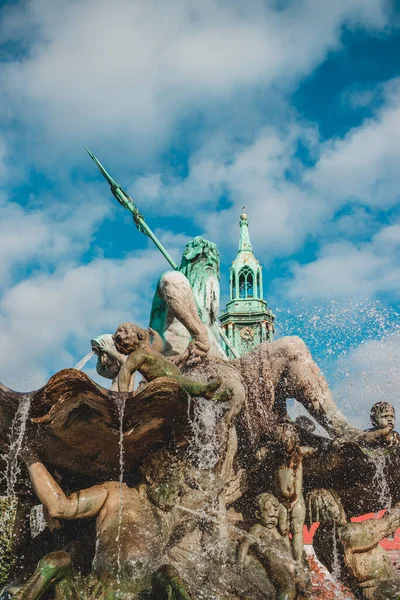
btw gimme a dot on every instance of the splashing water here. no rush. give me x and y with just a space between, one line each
37 520
203 446
17 433
336 570
120 403
215 520
79 366
380 481
357 346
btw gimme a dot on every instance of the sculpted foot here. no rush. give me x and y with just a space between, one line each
223 396
210 388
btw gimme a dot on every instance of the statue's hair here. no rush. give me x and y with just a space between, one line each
199 249
377 409
266 497
319 499
143 334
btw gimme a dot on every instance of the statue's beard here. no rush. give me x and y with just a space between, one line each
206 292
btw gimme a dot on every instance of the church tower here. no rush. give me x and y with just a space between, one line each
246 320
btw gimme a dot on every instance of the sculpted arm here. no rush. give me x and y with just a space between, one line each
307 451
245 545
86 503
132 364
369 437
364 536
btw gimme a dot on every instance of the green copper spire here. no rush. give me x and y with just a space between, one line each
244 241
247 320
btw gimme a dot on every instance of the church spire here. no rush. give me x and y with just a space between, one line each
244 240
247 321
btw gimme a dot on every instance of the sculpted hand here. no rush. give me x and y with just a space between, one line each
197 348
385 431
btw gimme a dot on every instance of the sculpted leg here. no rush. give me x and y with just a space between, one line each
167 585
298 517
297 376
51 569
175 289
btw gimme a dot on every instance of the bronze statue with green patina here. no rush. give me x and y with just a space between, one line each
133 528
135 341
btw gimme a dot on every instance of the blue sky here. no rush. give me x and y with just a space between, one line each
289 107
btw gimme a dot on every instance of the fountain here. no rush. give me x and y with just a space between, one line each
197 484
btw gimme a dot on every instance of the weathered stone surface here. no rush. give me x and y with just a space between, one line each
74 423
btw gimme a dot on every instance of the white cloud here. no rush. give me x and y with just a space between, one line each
47 322
132 70
59 232
343 269
289 202
363 166
253 174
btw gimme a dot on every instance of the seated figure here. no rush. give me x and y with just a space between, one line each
133 340
273 550
352 551
133 527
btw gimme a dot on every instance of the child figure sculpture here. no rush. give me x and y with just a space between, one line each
290 484
273 551
133 340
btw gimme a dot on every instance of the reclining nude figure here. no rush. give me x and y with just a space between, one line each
352 551
134 341
132 530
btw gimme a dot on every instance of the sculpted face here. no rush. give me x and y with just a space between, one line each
201 265
268 511
109 364
289 438
128 338
330 511
383 415
108 359
386 418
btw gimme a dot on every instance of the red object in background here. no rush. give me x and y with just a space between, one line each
388 544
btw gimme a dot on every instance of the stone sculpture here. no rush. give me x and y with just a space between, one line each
382 433
186 303
273 550
290 484
352 551
134 341
109 360
133 524
168 523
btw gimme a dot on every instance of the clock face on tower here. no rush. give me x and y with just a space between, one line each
247 334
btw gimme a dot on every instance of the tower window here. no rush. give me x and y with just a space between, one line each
246 283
